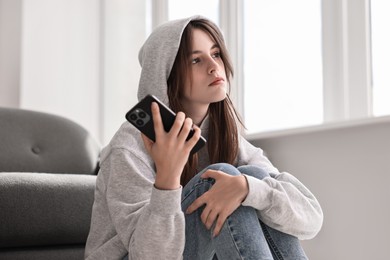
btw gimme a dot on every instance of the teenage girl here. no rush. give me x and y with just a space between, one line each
154 200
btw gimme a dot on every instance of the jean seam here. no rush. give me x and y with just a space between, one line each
234 240
270 242
194 187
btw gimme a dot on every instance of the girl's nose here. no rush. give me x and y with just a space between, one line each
213 65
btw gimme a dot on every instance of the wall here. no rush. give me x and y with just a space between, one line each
60 59
73 58
10 38
347 167
125 30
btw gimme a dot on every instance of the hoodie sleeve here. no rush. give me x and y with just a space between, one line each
148 221
281 200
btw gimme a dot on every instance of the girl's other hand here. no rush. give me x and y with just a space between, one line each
170 152
224 197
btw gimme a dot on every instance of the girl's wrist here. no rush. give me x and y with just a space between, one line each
166 183
246 189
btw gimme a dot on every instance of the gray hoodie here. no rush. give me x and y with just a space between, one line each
130 216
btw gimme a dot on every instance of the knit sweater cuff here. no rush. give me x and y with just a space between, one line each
166 202
259 192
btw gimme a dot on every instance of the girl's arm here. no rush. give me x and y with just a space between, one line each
148 221
145 203
282 201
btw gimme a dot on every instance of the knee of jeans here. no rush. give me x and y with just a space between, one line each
254 171
224 167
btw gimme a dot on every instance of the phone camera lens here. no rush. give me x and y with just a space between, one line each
142 114
133 117
140 122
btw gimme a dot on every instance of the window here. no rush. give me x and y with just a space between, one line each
380 20
302 62
282 64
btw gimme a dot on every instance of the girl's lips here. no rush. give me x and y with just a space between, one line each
217 81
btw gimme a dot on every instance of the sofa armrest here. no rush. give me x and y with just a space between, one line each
33 141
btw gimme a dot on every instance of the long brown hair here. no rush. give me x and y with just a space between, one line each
223 131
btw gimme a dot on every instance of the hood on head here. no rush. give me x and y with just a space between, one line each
157 56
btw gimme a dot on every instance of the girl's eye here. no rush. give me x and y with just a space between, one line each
196 60
217 54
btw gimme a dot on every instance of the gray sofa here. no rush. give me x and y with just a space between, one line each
48 168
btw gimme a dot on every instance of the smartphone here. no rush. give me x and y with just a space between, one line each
141 117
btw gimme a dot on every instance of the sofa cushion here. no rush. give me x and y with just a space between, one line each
45 209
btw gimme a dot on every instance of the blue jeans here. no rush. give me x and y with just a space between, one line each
243 236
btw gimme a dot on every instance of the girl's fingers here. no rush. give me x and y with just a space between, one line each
181 129
213 174
205 214
178 134
147 142
196 204
195 138
178 124
211 218
185 130
157 121
218 225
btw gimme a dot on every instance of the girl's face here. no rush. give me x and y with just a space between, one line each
207 69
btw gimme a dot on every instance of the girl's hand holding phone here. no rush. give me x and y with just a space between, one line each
170 151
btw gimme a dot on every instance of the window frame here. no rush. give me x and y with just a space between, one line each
346 59
346 54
